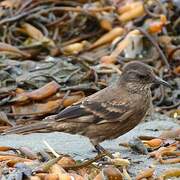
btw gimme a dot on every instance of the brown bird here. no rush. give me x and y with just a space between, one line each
108 113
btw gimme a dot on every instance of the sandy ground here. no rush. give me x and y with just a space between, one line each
80 148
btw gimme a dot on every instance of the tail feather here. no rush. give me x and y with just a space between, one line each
28 128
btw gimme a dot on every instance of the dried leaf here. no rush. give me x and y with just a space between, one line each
158 154
74 48
6 148
170 173
36 34
32 31
44 92
109 172
51 176
35 178
66 161
11 50
154 143
145 173
3 128
156 26
128 6
57 169
41 175
66 177
106 24
73 99
37 108
75 176
11 3
120 162
47 107
177 70
171 160
13 159
108 37
39 94
162 151
132 13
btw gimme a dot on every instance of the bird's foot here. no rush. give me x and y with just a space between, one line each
101 150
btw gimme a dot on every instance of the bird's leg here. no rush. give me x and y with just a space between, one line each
100 149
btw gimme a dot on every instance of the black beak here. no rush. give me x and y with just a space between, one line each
158 80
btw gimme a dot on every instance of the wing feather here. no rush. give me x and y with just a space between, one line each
101 111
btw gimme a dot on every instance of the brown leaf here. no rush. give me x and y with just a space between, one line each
106 24
75 176
73 99
39 94
146 173
74 48
46 107
131 14
32 31
44 92
154 143
109 172
35 178
10 3
166 151
57 169
155 26
108 37
66 161
3 128
11 50
36 34
37 108
6 148
171 160
177 70
13 159
41 175
174 172
51 176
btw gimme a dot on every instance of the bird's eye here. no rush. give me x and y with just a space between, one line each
141 76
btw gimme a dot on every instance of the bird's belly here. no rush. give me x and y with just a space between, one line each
112 130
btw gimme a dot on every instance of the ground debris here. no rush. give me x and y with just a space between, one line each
55 53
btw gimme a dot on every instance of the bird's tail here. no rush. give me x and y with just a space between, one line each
25 129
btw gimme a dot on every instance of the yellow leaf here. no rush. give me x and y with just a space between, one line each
32 31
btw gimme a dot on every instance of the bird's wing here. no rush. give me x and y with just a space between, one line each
98 112
109 104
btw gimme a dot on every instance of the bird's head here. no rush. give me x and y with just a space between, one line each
141 74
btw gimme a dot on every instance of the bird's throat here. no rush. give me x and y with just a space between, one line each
137 87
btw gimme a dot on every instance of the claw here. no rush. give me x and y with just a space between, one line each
101 150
